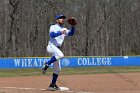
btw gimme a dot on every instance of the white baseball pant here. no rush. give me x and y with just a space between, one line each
55 51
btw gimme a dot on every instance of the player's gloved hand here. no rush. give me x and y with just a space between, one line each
64 30
72 21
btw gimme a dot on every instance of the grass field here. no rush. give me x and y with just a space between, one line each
69 71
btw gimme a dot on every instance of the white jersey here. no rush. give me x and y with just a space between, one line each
59 39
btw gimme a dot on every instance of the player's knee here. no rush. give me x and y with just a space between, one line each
57 71
61 55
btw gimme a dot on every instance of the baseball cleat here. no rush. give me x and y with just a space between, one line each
44 68
53 87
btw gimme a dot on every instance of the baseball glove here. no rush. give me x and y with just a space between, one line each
72 21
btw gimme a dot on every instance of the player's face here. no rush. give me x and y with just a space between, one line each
61 21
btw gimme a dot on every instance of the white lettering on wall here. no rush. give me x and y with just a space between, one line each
29 62
94 61
17 62
24 63
40 62
35 63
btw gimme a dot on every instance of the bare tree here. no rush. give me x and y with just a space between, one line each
105 27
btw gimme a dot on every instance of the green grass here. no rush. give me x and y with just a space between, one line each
100 70
69 71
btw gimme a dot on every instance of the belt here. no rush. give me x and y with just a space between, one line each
55 45
58 47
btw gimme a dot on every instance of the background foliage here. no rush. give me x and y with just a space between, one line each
105 27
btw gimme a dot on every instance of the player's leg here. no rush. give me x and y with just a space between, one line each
46 65
57 54
57 69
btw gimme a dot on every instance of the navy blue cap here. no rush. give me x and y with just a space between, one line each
60 16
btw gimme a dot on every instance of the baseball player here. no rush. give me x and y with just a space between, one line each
57 35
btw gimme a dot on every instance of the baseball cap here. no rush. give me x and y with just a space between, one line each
60 16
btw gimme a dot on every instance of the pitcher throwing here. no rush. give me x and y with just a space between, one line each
57 35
